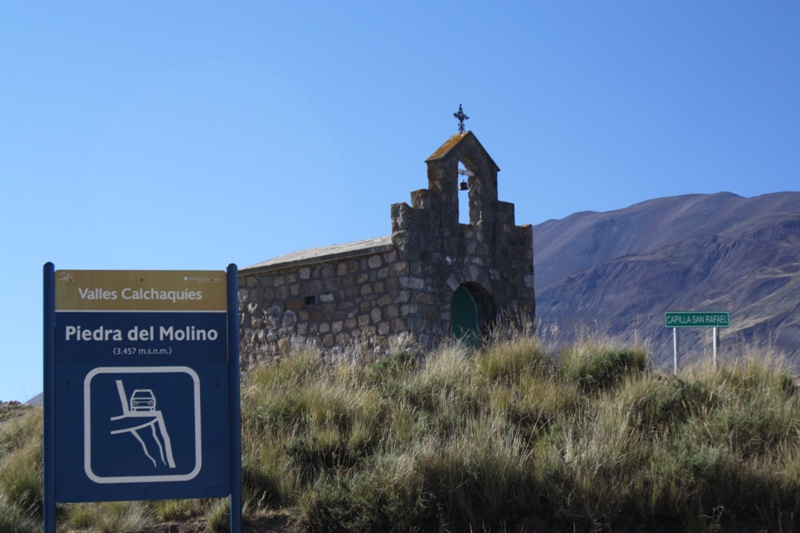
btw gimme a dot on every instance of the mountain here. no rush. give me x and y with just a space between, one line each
621 270
36 400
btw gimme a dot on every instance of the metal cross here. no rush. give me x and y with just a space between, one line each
461 118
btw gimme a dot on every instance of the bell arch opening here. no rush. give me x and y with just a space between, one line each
472 312
463 194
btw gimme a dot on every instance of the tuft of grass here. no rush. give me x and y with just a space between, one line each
509 360
660 403
445 387
299 366
601 364
268 478
109 517
14 520
535 404
219 517
21 465
178 510
19 430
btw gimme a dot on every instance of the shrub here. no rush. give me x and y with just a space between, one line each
394 366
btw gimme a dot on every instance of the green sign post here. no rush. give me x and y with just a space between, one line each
695 319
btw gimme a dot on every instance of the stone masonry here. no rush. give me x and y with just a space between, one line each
364 292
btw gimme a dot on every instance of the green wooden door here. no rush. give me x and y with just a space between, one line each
464 317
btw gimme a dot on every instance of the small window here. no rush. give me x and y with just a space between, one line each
311 300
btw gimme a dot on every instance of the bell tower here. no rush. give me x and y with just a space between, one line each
481 179
490 256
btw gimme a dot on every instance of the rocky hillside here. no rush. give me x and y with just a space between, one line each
621 270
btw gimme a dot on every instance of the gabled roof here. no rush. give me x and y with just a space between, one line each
454 141
322 254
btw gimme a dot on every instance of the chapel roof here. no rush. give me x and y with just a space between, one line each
322 254
454 141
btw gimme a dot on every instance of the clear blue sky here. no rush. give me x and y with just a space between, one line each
188 135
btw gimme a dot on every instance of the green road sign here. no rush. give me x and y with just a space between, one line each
697 319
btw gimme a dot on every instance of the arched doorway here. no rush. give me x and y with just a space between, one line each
471 313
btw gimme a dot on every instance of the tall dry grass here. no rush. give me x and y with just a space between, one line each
21 471
587 437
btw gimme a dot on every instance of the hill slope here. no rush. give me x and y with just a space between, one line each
622 269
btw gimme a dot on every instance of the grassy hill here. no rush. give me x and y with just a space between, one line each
515 437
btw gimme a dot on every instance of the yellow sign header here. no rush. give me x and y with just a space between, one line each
141 290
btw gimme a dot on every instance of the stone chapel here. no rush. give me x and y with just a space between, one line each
432 277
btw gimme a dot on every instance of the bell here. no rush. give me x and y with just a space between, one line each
464 186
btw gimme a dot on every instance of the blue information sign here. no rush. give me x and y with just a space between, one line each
143 386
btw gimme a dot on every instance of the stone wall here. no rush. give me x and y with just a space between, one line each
347 301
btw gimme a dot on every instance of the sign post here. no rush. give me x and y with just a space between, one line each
675 350
141 387
695 319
